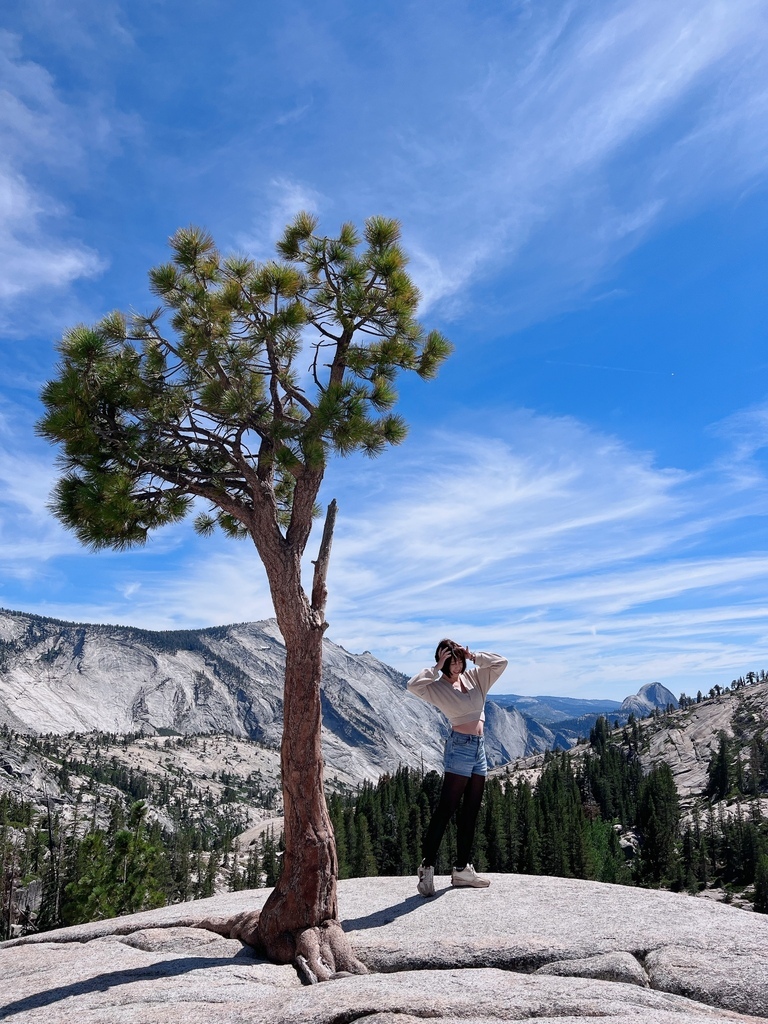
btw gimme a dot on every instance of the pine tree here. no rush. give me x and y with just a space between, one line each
365 861
529 850
269 860
201 400
253 869
336 812
493 821
719 770
236 879
761 885
658 820
110 874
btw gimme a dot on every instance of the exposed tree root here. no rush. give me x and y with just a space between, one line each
325 952
318 954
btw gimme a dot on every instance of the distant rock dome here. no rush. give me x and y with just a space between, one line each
647 699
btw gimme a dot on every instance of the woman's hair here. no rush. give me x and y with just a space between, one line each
455 649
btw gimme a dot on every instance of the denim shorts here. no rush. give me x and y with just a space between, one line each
465 755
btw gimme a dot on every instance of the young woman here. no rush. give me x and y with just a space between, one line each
460 695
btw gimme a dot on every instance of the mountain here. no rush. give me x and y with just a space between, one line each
63 677
647 699
572 718
227 790
507 733
552 710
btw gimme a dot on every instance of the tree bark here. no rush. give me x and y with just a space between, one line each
299 923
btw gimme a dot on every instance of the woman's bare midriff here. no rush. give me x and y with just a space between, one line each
469 728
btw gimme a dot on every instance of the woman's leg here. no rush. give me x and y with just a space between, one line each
467 818
450 795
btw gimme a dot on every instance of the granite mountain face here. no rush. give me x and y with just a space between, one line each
63 677
646 700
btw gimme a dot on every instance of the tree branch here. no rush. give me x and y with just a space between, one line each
319 589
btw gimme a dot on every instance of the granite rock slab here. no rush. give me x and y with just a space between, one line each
529 947
621 967
737 981
111 983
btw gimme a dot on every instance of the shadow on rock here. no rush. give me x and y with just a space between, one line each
104 982
390 914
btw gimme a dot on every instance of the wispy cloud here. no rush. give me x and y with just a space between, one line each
285 198
590 566
546 147
29 536
36 129
204 583
576 554
747 433
34 546
526 149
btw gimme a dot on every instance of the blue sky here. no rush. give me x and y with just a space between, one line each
582 191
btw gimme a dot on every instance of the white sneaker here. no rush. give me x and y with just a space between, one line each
426 884
469 878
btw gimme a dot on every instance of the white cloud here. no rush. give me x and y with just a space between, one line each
285 198
576 555
26 482
78 26
588 565
747 432
543 150
215 584
31 259
30 537
585 129
36 130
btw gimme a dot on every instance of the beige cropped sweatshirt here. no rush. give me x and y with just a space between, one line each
460 708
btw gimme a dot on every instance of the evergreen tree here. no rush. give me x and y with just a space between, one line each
493 822
236 879
336 812
529 849
113 874
365 861
719 770
201 400
658 819
253 869
599 734
270 863
761 885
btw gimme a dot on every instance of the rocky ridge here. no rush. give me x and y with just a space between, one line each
529 948
65 678
684 738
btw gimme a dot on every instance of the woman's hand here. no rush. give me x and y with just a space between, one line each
445 655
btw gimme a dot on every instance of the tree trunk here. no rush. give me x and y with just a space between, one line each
300 922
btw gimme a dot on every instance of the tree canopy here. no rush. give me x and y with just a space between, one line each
203 397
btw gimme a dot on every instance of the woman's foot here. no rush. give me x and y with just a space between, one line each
426 884
468 878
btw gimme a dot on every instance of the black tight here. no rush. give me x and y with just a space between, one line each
454 788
